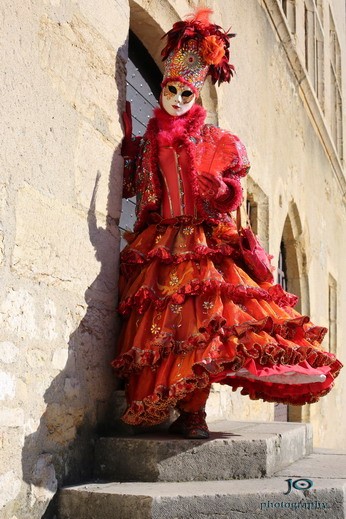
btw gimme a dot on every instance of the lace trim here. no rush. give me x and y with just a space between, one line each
134 256
146 296
279 351
154 409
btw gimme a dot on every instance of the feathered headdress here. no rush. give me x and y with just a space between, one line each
196 48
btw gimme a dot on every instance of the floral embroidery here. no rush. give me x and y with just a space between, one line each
152 198
173 279
176 309
207 305
155 329
158 238
188 230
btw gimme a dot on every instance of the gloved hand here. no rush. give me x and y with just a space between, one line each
211 186
129 145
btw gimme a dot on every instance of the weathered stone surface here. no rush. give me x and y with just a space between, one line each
89 87
10 485
72 388
60 105
44 482
10 417
62 422
43 246
2 247
235 450
3 201
50 320
93 172
36 358
252 499
60 358
8 352
321 464
17 313
227 405
7 386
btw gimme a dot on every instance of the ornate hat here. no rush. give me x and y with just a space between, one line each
196 48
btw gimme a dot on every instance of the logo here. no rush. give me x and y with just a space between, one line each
298 484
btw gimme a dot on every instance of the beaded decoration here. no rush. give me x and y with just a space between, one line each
186 65
196 48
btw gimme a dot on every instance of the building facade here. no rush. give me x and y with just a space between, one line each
64 90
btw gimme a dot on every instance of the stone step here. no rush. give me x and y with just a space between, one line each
235 450
324 473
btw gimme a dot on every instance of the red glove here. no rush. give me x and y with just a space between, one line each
225 194
211 186
129 145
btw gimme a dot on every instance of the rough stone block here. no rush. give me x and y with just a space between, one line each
93 171
11 417
55 248
60 357
7 386
18 313
235 450
50 320
250 499
8 352
10 485
2 248
80 62
62 422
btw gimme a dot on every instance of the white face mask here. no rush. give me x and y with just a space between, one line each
177 98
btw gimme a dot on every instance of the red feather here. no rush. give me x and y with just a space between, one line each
216 158
201 15
196 27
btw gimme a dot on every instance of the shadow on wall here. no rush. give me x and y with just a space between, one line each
61 450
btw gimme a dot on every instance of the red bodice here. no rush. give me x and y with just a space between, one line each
177 196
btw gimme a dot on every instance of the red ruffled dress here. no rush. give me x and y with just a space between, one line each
192 315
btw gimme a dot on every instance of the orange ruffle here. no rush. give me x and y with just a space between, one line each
193 316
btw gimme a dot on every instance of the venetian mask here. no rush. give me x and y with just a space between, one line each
177 98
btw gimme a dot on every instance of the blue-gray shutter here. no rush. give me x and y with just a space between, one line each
143 89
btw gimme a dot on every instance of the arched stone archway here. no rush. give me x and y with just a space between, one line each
294 243
258 202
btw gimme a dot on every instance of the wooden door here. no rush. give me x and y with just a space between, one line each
143 81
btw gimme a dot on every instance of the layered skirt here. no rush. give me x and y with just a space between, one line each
192 315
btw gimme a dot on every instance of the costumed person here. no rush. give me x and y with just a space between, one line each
194 311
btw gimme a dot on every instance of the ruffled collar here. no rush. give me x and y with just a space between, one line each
178 130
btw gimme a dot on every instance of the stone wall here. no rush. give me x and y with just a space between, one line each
63 91
61 100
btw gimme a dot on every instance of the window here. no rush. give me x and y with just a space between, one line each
257 211
314 46
288 7
282 270
252 213
281 412
304 31
319 7
335 90
332 308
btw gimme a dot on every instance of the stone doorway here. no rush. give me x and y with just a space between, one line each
143 81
